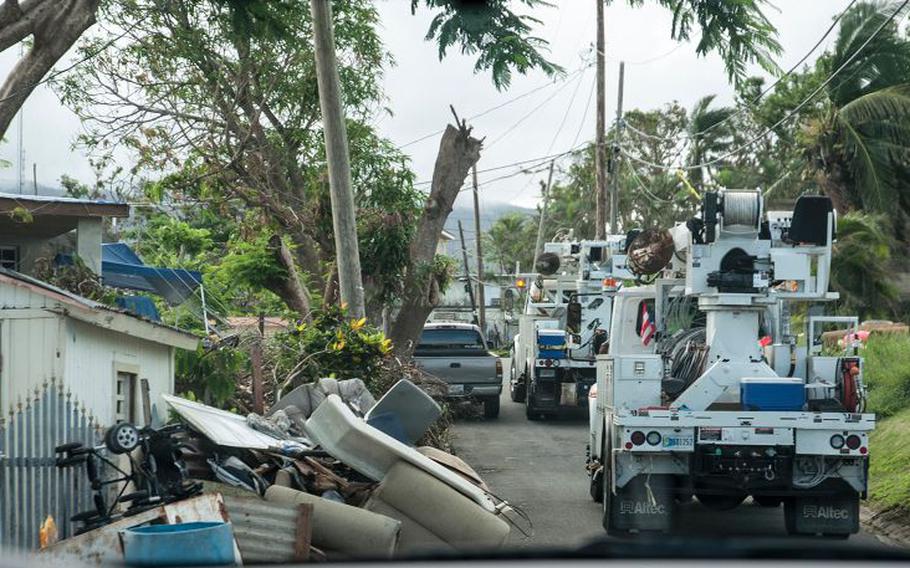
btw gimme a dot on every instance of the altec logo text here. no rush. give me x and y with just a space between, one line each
641 508
825 512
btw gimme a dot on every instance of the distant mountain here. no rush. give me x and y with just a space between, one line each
11 186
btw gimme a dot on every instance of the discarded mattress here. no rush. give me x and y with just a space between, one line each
433 515
414 408
307 398
342 528
221 427
373 453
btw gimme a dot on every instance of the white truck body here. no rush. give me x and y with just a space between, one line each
656 439
553 356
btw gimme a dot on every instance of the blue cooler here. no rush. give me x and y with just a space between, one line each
551 343
772 393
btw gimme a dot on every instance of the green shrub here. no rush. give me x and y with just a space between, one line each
889 484
887 373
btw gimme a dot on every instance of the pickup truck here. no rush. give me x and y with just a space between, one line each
457 353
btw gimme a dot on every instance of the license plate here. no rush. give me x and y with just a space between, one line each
679 441
456 389
546 373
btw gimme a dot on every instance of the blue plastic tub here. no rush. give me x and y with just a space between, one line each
185 544
778 394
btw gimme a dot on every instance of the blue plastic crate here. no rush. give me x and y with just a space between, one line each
772 394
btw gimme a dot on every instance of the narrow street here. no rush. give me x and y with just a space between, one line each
539 467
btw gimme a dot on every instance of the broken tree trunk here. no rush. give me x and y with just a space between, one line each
289 289
458 152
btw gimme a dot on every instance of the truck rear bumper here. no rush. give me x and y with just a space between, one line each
461 391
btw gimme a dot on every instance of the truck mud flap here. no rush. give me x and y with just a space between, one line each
831 514
634 507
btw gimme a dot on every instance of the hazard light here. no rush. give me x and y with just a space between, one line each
611 283
521 283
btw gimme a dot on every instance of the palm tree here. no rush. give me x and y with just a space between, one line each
860 268
710 135
858 142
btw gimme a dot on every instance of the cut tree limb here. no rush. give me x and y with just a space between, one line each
458 152
290 289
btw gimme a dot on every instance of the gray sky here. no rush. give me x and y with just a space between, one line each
420 88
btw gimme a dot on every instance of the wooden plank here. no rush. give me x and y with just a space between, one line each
304 534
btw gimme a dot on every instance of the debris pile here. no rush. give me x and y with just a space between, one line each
328 473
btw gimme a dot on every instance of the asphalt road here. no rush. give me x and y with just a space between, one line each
539 467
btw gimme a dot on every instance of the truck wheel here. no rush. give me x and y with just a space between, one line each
530 412
517 392
597 486
491 407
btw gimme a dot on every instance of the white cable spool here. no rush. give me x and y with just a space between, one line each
741 211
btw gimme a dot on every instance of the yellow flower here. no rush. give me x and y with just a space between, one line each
357 324
386 346
338 345
301 326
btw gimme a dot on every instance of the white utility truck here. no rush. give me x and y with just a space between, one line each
565 321
708 388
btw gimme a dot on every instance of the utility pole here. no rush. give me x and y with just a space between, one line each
35 177
347 253
600 149
616 153
467 273
481 293
538 248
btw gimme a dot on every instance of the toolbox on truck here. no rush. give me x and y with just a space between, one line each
772 394
551 344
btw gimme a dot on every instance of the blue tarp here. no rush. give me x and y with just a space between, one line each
139 305
122 268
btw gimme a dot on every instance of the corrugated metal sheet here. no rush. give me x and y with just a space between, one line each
269 532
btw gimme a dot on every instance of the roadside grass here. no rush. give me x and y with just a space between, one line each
889 469
887 373
887 377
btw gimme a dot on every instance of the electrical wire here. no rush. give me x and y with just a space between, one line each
786 118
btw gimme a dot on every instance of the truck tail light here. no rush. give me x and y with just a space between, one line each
854 442
638 438
654 438
499 368
837 441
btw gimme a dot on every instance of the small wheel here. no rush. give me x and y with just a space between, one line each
122 438
491 407
67 447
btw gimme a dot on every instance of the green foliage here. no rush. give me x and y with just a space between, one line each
210 374
500 37
510 239
861 265
889 484
887 373
332 345
738 31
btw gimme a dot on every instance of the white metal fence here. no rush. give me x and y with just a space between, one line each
31 486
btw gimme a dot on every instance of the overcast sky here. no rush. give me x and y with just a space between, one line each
420 89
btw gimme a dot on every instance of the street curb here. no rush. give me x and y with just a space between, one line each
891 526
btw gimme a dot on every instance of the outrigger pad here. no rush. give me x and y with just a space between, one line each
825 514
634 507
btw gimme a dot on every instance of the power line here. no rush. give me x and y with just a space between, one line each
526 94
786 118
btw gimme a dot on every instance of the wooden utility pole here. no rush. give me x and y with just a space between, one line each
616 154
256 364
600 150
467 273
481 293
538 247
347 253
